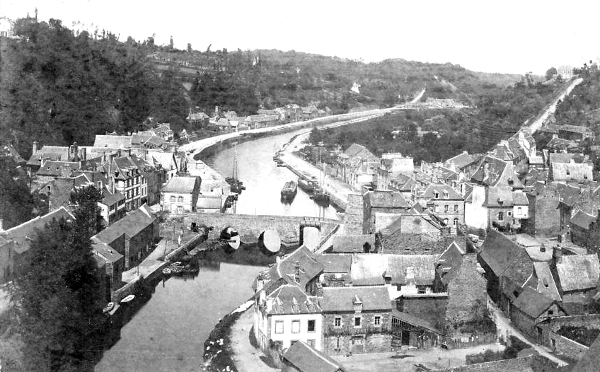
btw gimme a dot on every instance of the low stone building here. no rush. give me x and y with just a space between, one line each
180 195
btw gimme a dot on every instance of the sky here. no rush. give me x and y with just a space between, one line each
491 36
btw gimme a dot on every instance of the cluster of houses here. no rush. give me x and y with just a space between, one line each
229 121
138 175
424 248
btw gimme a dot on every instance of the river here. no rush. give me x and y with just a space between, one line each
264 180
167 333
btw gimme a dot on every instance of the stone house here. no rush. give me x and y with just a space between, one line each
16 241
544 214
336 269
571 172
288 315
356 319
531 308
446 203
133 236
301 357
114 263
579 225
180 195
577 279
381 201
414 234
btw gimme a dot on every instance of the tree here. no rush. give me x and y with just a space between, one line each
16 202
550 73
58 299
88 212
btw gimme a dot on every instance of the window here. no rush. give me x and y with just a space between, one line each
446 195
446 208
550 312
357 321
519 210
337 322
377 321
295 326
445 222
172 199
421 290
436 208
398 287
311 325
279 326
437 195
311 343
455 222
509 214
455 207
500 216
180 199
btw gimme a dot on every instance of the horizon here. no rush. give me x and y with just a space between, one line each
369 34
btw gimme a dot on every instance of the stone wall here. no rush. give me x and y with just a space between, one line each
251 226
513 365
353 219
466 291
544 215
567 347
345 344
553 325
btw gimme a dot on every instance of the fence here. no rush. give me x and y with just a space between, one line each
469 341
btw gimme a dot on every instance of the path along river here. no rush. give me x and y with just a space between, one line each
167 333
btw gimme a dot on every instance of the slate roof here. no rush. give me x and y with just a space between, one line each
306 359
546 284
57 168
396 226
386 199
568 194
499 196
371 269
289 299
576 171
577 272
582 219
496 168
352 243
532 303
449 263
110 198
112 141
284 271
181 185
506 258
23 234
442 191
335 263
340 299
560 157
130 225
414 320
462 160
106 252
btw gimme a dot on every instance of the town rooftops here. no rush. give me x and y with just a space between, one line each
373 269
462 160
441 191
23 234
574 129
506 258
449 263
582 219
335 263
353 243
290 299
577 272
110 198
57 168
489 171
546 284
343 299
130 225
181 185
306 359
386 199
112 141
209 202
572 171
297 268
561 157
356 150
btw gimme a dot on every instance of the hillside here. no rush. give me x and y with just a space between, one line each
246 80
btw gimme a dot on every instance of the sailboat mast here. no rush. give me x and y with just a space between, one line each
234 162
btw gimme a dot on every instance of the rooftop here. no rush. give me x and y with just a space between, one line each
336 299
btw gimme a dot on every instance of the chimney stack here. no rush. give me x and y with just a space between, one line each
1 225
557 254
35 148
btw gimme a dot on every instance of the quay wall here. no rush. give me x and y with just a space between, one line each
251 226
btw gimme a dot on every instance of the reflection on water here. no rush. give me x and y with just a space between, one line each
264 180
168 332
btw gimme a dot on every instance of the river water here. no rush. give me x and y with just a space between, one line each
264 180
167 333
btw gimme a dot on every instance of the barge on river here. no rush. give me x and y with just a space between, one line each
289 190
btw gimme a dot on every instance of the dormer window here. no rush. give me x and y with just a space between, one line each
437 195
446 195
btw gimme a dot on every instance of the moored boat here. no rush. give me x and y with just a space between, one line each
289 190
306 185
109 306
320 197
127 299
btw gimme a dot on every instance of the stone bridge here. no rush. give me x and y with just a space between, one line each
251 226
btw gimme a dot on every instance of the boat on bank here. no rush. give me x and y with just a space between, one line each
320 197
289 190
307 185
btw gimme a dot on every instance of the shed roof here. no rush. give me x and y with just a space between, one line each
532 303
505 257
335 263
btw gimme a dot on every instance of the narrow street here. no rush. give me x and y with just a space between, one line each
245 356
505 329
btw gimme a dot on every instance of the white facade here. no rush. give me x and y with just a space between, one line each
400 163
294 327
476 214
521 211
177 203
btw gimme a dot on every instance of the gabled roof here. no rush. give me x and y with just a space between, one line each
290 299
442 190
284 271
462 160
110 198
130 225
23 234
106 252
449 263
337 299
306 359
386 199
582 219
506 258
489 170
577 272
572 171
57 168
546 284
532 303
352 243
372 269
335 263
112 141
181 185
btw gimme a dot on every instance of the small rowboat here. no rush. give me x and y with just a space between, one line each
109 306
167 271
127 299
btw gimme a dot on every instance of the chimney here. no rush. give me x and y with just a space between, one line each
84 154
35 148
1 225
557 255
